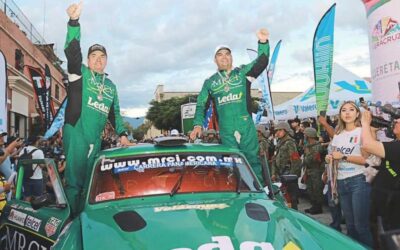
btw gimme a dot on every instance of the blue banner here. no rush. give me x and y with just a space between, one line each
323 58
265 80
58 121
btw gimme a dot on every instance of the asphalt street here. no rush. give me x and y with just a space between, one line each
324 218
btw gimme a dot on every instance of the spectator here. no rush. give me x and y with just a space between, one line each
6 167
386 185
298 134
33 186
354 191
174 132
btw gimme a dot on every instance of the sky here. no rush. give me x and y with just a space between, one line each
172 42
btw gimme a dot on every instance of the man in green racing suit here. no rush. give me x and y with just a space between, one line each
229 89
92 100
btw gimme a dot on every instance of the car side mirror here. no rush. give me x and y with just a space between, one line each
289 178
42 201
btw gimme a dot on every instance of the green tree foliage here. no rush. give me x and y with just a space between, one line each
166 115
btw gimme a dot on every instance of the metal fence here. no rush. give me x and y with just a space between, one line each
12 10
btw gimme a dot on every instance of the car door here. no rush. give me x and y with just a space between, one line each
35 224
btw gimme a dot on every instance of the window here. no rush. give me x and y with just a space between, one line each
19 60
169 174
57 94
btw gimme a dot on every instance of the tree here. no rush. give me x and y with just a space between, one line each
166 115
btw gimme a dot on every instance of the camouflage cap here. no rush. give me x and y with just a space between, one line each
311 132
283 125
211 131
263 130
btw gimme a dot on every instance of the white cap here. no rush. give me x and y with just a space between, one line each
222 46
2 132
174 132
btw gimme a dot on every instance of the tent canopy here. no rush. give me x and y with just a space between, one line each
345 86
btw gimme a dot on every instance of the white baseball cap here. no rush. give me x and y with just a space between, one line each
174 132
222 46
3 133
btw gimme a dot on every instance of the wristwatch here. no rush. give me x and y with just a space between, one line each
344 158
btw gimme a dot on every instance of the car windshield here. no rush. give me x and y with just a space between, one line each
148 175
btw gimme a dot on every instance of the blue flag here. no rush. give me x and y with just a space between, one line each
58 121
323 58
265 80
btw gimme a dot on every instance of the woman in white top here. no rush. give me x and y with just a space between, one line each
353 190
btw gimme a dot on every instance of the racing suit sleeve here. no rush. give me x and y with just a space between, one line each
201 106
257 66
73 54
115 117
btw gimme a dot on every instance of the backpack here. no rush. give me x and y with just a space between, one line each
28 173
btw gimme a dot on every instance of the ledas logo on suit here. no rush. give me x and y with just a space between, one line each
98 106
230 98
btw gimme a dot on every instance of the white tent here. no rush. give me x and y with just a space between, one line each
345 86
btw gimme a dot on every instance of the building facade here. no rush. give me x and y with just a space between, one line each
22 46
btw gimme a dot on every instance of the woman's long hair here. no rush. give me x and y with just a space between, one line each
341 124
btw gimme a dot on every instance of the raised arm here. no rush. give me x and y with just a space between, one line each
256 67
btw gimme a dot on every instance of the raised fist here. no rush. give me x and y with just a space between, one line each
263 35
74 11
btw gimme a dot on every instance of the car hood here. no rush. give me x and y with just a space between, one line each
237 222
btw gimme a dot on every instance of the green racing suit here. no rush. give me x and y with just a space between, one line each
231 97
92 100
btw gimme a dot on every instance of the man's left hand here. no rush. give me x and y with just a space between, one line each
125 142
263 35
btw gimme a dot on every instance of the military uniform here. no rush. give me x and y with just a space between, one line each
314 155
287 161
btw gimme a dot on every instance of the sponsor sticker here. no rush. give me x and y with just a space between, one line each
169 161
189 206
105 196
17 217
51 226
33 223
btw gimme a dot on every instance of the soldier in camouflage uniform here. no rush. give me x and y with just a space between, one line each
211 136
286 159
314 155
263 142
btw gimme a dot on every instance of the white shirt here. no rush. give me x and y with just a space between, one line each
348 143
38 154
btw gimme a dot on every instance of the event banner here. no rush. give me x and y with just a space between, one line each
3 92
42 93
58 121
384 47
323 58
264 80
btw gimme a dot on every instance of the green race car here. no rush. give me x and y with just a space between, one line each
171 195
